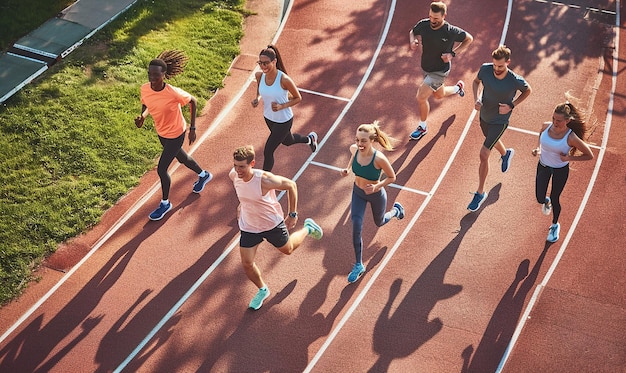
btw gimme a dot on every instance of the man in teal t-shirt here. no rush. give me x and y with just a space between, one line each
500 85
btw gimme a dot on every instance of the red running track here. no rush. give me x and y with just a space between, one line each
446 290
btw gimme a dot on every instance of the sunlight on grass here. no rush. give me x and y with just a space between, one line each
69 147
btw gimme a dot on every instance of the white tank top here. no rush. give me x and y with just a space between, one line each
551 149
258 213
274 93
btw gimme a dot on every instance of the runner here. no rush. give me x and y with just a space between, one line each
559 142
279 94
261 216
163 102
438 39
367 164
500 85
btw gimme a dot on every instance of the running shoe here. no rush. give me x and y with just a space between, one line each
258 299
159 213
356 272
198 186
477 201
546 208
506 159
400 209
461 85
553 232
312 141
315 230
418 133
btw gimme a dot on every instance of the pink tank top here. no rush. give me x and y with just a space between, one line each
258 213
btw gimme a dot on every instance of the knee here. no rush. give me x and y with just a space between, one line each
247 265
484 154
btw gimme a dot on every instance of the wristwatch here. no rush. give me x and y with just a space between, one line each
293 214
453 53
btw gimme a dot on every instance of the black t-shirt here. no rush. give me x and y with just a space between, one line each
437 42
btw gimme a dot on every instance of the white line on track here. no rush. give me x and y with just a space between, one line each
605 138
392 185
574 6
323 95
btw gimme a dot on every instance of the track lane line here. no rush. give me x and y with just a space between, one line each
605 137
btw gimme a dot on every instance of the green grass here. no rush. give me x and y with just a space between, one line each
69 148
19 17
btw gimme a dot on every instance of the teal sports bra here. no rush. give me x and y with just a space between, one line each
369 172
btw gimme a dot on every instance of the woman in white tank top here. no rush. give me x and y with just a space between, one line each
560 142
279 94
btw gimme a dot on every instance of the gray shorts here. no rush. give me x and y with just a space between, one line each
435 79
492 133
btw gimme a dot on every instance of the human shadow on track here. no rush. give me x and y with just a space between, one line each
405 171
504 320
291 341
126 334
401 334
32 346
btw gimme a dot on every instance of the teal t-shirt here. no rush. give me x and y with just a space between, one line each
496 91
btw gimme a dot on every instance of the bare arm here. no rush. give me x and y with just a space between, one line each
576 142
475 85
294 94
258 76
464 44
353 150
270 181
382 162
537 150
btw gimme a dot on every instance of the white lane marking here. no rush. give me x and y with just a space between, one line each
605 138
323 95
574 6
392 185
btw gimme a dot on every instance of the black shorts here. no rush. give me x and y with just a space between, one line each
277 236
492 133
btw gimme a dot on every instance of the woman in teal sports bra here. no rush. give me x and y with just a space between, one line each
367 164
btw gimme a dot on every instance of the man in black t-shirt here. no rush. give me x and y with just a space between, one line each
438 39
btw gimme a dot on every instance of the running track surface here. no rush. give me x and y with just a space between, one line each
445 291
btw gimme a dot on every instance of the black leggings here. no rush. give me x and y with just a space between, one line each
280 133
559 178
173 148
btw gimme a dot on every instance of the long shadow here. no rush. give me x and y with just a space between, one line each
401 334
127 333
31 347
504 320
407 171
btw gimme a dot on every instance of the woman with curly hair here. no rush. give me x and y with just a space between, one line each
560 142
164 102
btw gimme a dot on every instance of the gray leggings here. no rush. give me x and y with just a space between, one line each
378 201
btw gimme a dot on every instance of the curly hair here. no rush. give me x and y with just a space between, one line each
172 62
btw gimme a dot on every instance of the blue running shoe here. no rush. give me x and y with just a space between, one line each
356 272
553 232
506 159
400 214
198 186
312 141
477 201
258 299
159 213
418 133
315 230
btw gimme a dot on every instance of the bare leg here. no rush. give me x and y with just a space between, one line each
483 169
249 266
423 93
295 239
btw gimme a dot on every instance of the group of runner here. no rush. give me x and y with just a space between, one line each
260 215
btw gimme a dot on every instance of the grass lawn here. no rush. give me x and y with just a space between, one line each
69 148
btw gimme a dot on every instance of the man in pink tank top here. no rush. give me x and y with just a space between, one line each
260 216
